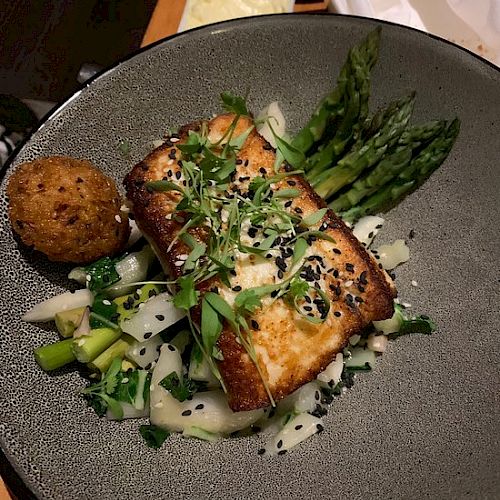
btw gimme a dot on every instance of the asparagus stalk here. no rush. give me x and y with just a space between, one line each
353 164
390 166
413 176
332 105
53 356
88 347
116 350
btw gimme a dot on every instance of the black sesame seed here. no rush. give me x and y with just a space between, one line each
279 444
380 266
199 407
370 234
254 324
274 293
291 183
186 413
252 232
298 427
316 396
151 293
236 288
349 267
337 251
148 366
170 173
239 161
308 308
307 299
178 174
160 317
267 147
281 452
362 278
319 428
247 161
171 348
243 179
361 288
412 234
336 273
288 204
142 351
280 274
337 314
127 306
147 335
261 451
262 170
298 210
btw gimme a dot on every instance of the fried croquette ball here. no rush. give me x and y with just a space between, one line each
67 209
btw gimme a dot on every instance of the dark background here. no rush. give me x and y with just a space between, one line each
43 43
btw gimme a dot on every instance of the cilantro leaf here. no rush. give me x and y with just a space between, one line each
187 296
180 389
247 301
153 435
102 274
298 288
234 104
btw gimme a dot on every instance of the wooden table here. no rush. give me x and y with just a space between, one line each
164 22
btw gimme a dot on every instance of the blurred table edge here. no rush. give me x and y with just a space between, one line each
168 13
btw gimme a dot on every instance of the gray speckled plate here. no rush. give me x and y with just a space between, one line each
424 423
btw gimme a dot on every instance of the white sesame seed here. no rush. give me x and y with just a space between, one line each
124 380
174 139
183 256
141 305
159 405
178 263
125 209
348 283
151 388
88 277
139 291
118 219
406 305
106 302
170 162
414 283
168 216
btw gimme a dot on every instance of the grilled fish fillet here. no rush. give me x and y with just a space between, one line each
290 350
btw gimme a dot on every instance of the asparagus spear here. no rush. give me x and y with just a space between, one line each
351 165
332 105
413 176
53 356
116 350
87 347
390 166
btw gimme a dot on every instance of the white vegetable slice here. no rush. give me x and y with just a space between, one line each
46 310
391 325
367 228
128 412
330 376
271 114
207 410
132 268
135 233
303 399
377 343
359 357
391 256
145 353
294 432
153 316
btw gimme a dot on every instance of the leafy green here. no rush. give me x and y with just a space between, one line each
220 306
211 326
187 296
163 186
153 435
99 396
104 312
234 104
197 250
315 217
180 389
102 274
299 250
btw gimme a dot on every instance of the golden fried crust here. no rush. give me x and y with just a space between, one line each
290 350
67 209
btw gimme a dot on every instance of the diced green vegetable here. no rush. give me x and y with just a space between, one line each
87 347
53 356
67 321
